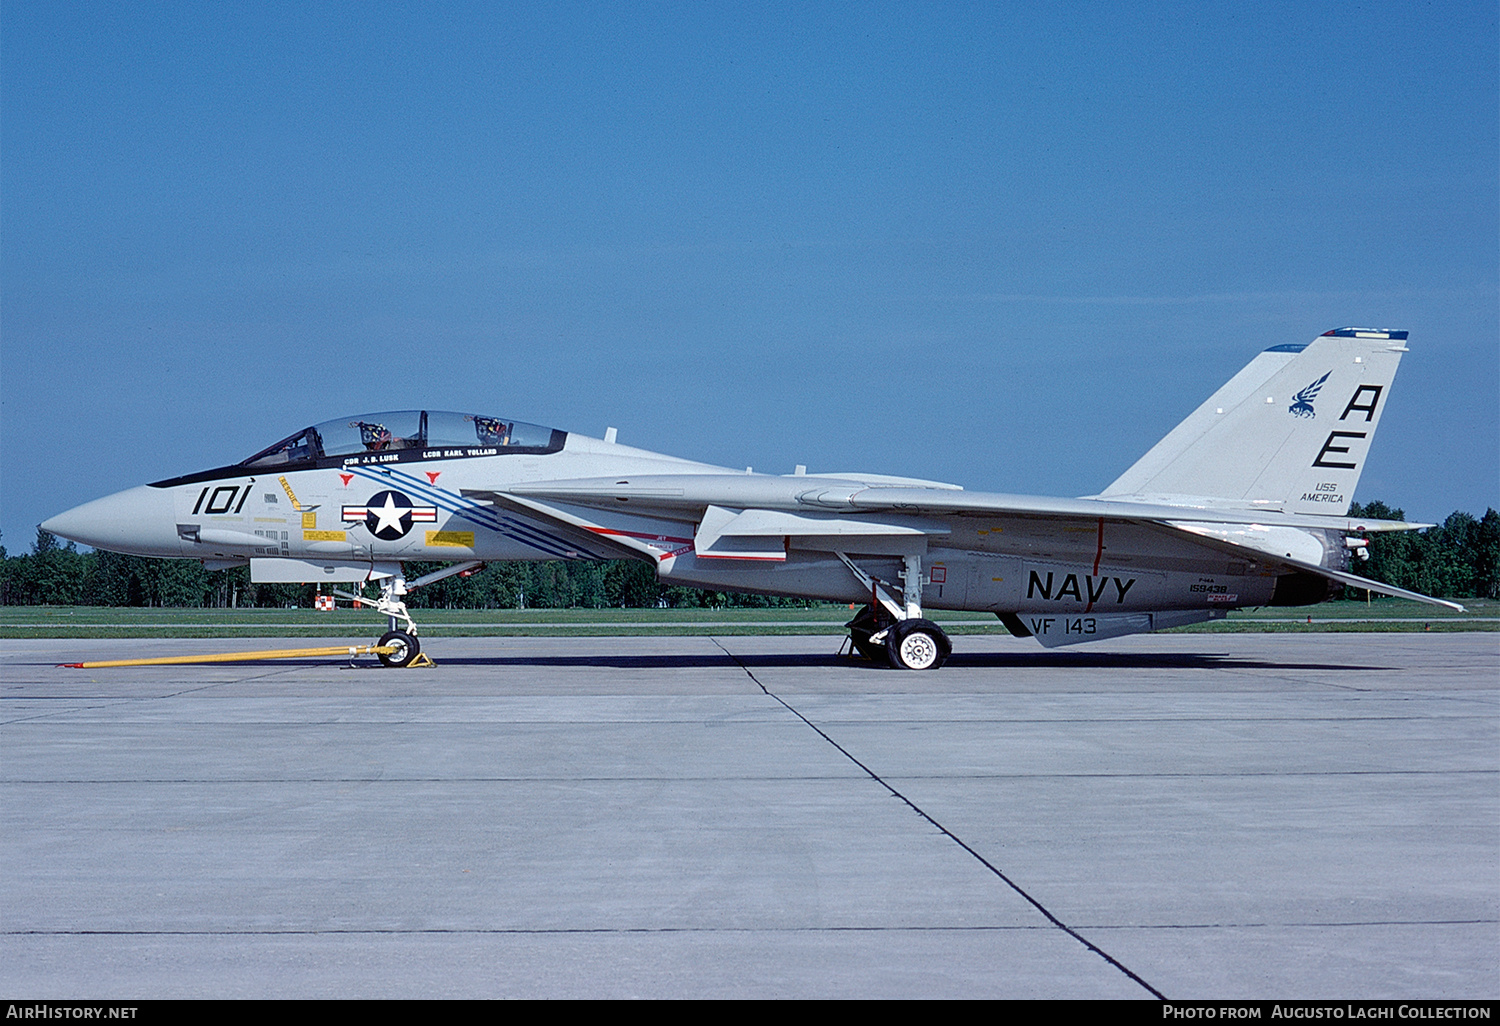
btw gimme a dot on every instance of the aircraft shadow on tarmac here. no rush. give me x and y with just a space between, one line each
828 660
810 660
976 660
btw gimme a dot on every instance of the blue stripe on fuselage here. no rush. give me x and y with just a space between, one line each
484 516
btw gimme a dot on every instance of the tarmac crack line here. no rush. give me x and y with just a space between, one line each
1080 938
104 703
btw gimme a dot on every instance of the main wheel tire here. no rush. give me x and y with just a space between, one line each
406 646
917 645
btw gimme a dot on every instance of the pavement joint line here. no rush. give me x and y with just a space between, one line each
221 781
1300 924
546 930
1090 945
531 930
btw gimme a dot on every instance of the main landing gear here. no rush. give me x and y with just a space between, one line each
885 631
916 644
405 649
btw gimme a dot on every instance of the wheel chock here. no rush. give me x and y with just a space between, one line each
422 659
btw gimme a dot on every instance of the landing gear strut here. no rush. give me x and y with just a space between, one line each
888 631
391 605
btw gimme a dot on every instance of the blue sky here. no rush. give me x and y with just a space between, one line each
1006 245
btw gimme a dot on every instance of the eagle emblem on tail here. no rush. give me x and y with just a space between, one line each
1302 402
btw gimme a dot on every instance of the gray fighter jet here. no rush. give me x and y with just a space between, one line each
1243 504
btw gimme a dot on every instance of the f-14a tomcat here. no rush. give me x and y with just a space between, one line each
1244 503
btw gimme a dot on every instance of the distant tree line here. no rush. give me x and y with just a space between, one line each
1458 559
59 575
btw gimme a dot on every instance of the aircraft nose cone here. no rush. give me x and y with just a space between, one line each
139 521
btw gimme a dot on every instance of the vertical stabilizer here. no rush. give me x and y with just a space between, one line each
1291 431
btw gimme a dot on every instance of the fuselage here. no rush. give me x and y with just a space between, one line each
299 512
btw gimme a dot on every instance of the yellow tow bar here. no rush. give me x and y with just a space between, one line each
239 657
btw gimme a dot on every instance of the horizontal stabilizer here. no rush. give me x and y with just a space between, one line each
1270 558
1355 581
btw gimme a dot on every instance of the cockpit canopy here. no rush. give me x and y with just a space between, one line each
404 429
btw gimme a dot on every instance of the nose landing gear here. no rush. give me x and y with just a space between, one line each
406 650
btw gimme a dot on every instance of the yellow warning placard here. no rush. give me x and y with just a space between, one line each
451 539
309 521
286 487
323 536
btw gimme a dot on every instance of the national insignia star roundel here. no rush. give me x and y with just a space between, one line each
389 515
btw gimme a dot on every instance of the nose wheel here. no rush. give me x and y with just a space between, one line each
405 648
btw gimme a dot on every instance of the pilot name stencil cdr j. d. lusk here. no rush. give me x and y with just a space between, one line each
1242 504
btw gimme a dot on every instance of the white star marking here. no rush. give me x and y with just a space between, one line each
388 515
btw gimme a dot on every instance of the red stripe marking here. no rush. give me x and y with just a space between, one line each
1098 552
